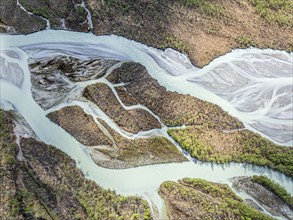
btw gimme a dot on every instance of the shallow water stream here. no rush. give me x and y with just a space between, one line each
253 85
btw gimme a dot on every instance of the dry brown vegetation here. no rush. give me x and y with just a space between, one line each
174 109
202 29
80 125
109 148
139 152
133 121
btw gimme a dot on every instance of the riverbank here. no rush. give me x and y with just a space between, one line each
208 144
202 29
45 183
115 179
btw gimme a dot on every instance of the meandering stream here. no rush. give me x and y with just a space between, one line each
254 85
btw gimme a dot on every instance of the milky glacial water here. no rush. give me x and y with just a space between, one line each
172 70
259 84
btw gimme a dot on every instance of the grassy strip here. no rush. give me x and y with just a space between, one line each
244 146
208 8
275 188
279 11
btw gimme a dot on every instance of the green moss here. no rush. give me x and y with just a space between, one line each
81 12
8 159
209 8
275 188
41 12
13 205
245 41
175 43
277 11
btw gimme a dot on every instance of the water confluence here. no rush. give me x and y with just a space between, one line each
271 114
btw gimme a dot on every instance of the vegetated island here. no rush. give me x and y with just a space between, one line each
200 199
211 134
273 197
202 29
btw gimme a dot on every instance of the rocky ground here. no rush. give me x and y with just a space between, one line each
202 29
53 78
74 69
200 199
45 184
275 203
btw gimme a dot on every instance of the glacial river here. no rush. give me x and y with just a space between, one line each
253 85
